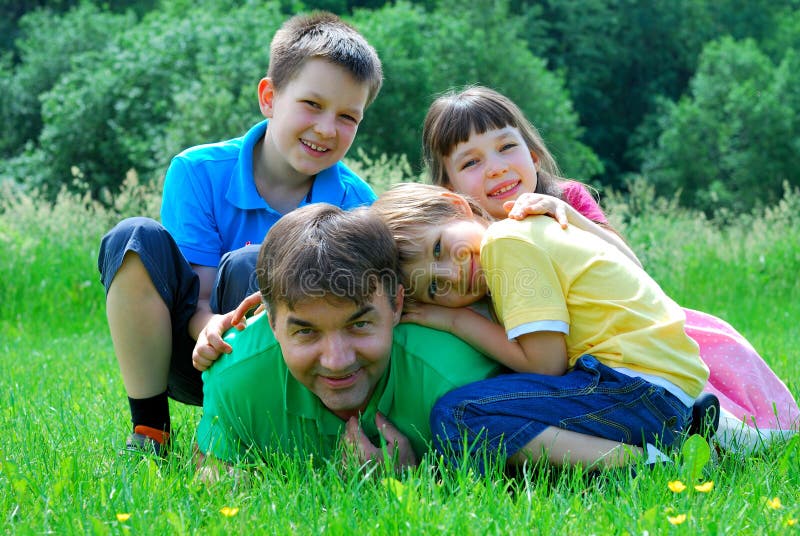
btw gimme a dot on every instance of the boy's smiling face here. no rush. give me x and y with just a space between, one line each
313 119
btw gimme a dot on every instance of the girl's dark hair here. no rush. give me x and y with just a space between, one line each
455 115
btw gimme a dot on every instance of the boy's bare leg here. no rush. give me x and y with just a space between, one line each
565 447
141 329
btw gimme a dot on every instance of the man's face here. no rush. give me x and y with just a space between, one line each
337 349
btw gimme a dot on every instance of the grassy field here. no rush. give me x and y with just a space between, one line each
64 416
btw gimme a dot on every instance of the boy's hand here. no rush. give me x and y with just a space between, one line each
530 204
209 345
430 315
248 303
398 447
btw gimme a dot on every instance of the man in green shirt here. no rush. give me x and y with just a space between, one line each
328 360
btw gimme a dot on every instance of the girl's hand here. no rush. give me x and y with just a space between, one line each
427 314
530 204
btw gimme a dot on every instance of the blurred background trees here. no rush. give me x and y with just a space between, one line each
698 97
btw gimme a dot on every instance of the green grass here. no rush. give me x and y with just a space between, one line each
64 416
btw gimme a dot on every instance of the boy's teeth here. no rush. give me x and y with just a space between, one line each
314 146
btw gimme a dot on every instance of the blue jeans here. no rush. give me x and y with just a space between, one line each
508 411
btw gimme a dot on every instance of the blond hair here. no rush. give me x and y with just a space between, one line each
408 209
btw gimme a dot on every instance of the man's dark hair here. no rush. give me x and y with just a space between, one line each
321 251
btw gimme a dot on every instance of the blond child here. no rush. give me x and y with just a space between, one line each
608 369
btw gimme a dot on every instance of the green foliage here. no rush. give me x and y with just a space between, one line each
618 55
109 87
383 171
179 78
735 139
45 47
421 60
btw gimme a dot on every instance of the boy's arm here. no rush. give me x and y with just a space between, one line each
210 343
491 340
202 314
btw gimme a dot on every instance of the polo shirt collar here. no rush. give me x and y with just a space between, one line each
328 186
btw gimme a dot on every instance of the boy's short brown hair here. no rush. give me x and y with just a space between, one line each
323 251
325 36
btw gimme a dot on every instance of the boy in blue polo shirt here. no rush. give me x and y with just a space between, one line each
162 280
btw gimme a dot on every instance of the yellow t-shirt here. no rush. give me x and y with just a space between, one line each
541 276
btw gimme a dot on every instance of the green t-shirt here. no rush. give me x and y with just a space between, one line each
253 405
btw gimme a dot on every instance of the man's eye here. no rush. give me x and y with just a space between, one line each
304 332
437 249
361 324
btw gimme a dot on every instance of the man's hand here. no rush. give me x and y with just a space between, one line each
398 447
209 345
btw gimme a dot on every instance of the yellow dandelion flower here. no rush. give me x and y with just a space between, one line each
676 520
705 487
774 503
676 486
229 511
395 486
121 517
791 522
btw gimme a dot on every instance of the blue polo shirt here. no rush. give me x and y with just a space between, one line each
211 206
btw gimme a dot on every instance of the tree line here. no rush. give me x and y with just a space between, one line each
699 97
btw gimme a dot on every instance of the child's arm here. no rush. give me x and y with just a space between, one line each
543 352
531 204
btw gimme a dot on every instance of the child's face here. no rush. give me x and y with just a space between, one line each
313 119
492 168
449 271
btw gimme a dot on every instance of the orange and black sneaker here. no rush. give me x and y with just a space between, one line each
148 440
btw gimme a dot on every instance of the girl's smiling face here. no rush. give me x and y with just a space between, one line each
492 168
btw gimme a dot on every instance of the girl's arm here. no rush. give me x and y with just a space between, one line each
530 204
543 352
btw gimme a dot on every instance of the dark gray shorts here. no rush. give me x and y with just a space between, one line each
175 281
